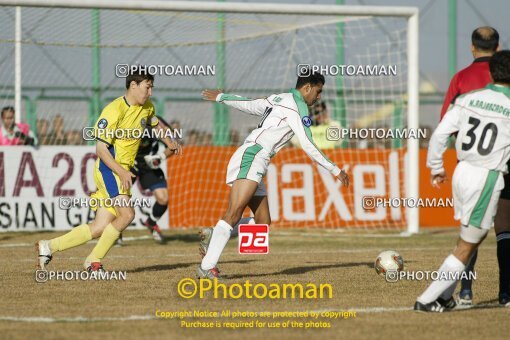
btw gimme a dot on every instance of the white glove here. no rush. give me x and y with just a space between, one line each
153 161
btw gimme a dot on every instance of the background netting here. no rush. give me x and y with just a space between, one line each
69 60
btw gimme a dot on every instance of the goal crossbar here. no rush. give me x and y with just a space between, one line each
230 7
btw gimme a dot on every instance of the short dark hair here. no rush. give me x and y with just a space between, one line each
138 74
7 109
313 79
485 39
499 64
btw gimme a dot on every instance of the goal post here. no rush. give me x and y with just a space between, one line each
413 174
262 46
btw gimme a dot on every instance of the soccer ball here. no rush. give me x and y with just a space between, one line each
388 260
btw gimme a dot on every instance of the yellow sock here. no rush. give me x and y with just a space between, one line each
79 235
105 243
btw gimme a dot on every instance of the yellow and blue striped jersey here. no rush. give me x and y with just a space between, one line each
120 125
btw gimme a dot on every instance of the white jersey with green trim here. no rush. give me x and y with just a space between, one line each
482 120
283 115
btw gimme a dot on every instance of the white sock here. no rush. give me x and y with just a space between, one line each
436 288
244 220
219 239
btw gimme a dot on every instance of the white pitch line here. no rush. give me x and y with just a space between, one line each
326 233
366 250
110 257
45 319
365 309
133 238
283 233
296 252
13 245
399 309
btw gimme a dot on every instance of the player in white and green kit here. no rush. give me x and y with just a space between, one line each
482 120
283 116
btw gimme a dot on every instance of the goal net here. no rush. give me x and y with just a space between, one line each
71 63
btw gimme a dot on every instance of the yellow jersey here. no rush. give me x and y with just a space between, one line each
120 126
320 135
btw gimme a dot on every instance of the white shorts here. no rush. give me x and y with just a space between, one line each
473 235
250 161
476 193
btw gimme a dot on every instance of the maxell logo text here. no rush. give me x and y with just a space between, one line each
253 239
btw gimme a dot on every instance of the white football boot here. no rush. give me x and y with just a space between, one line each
44 253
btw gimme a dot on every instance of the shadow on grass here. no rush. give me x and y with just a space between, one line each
487 304
189 238
160 267
5 238
303 269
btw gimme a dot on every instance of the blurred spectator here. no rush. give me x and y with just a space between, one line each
192 137
321 122
12 133
74 137
424 142
366 143
207 139
57 135
175 126
385 143
42 127
235 138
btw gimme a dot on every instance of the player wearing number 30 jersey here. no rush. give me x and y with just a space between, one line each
283 115
482 120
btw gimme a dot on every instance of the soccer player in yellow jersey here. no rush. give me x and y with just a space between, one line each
116 149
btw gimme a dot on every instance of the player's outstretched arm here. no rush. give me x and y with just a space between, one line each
107 158
173 147
255 107
210 95
343 177
438 143
305 139
437 179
